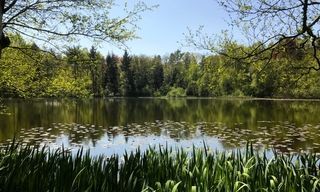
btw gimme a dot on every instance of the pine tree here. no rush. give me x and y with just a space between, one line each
93 67
128 80
112 76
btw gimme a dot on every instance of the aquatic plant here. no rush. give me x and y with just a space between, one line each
29 168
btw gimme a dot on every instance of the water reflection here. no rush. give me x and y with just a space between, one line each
289 126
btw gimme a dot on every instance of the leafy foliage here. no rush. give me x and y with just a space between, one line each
30 72
53 21
176 92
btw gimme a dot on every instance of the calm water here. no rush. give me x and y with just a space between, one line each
114 125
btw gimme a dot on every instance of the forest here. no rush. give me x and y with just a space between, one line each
28 71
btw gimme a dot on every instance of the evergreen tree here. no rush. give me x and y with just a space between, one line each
128 80
111 76
93 67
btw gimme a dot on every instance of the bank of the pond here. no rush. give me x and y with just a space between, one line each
163 169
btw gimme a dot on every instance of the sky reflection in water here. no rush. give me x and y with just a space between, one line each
108 126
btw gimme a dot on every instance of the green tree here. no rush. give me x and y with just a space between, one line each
193 75
111 76
95 67
158 73
143 75
175 70
128 80
208 81
75 59
16 70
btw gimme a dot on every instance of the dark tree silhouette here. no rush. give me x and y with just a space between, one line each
128 75
112 76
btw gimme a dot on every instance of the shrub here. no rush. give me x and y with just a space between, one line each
176 92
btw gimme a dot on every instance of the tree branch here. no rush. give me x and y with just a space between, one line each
10 6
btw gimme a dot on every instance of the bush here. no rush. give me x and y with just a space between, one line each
176 92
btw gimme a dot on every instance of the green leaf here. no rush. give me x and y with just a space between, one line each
175 187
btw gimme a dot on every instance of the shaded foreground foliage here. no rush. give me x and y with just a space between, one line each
26 168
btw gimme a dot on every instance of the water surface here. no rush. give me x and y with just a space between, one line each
114 125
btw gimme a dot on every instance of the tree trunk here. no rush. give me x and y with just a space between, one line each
2 2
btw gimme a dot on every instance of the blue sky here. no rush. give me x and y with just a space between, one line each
162 29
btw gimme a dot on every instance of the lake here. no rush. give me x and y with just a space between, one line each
115 125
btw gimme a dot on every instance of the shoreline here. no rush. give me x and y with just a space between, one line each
171 98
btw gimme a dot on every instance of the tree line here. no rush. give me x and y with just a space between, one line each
28 71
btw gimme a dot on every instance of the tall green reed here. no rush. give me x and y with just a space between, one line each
27 168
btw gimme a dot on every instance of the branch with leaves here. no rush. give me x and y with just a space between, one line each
58 21
270 26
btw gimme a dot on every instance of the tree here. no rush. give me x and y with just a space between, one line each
112 76
17 71
51 20
271 26
143 75
78 61
95 68
76 58
128 80
193 74
158 73
175 70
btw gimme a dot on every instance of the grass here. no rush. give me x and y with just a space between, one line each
26 168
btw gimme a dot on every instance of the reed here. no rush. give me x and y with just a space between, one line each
26 168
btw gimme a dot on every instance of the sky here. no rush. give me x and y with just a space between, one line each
161 30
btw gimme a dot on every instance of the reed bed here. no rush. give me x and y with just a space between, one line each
27 168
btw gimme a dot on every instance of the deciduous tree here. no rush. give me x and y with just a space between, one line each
53 21
271 26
